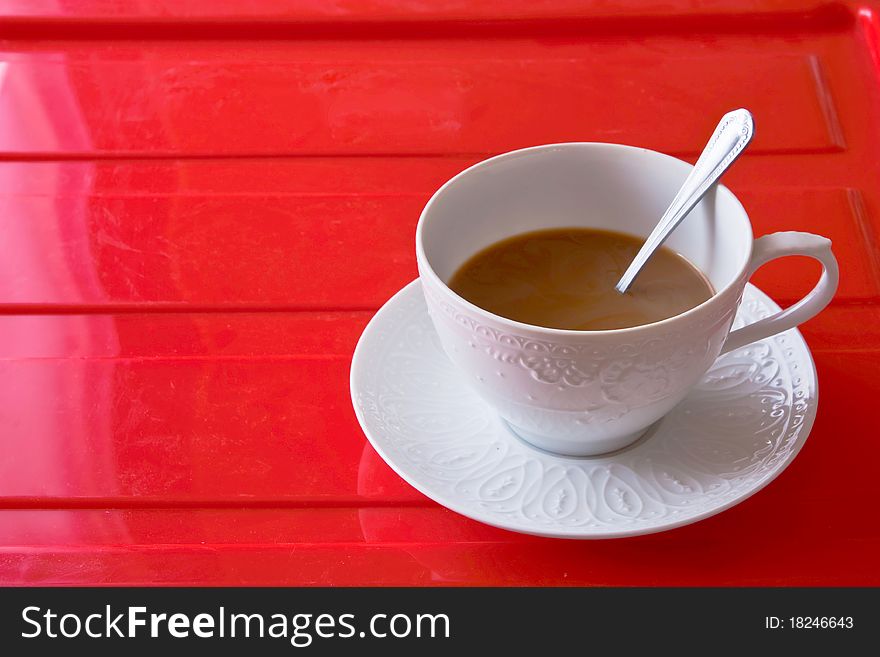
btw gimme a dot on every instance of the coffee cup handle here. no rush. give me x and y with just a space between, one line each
777 245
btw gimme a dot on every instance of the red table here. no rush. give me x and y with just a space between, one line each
204 201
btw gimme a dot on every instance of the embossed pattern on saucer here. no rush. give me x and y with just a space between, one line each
735 432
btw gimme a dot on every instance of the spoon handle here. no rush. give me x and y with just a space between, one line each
730 138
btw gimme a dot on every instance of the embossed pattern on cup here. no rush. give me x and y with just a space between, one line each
582 390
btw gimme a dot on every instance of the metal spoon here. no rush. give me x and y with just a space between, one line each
729 140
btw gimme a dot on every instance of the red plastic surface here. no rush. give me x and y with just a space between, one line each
203 203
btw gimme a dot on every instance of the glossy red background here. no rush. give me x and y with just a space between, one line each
203 203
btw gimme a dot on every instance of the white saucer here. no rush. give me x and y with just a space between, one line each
736 431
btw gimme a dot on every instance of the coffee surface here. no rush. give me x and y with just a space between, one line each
564 278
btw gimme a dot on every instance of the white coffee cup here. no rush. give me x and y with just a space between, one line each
583 393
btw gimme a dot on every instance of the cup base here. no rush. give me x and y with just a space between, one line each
575 448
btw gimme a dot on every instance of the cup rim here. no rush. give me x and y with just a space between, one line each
425 267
